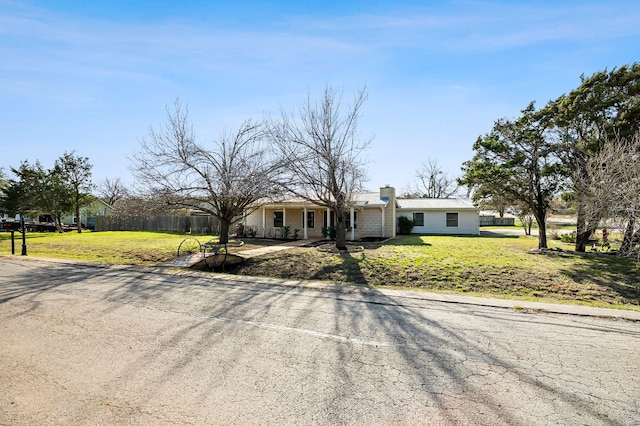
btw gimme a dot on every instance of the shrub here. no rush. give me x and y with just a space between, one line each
251 231
405 225
329 231
568 238
285 231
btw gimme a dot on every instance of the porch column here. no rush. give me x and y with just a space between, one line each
352 222
382 210
264 222
284 217
304 224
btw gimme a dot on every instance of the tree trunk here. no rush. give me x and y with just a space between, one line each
627 241
541 218
526 221
58 222
542 235
582 230
341 236
224 231
341 232
582 235
78 221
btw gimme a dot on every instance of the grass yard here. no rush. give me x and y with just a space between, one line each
121 247
487 266
500 266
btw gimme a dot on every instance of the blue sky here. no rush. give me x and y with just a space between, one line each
93 76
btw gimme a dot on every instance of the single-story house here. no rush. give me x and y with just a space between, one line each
453 216
88 214
375 214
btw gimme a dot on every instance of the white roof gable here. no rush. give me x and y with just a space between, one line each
369 199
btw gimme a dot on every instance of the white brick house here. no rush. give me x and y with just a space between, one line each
374 214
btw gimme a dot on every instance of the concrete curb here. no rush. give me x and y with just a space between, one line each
518 305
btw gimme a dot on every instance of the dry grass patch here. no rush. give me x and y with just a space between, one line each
498 266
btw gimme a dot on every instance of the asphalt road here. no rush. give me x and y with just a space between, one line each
82 344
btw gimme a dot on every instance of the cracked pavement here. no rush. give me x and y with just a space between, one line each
82 344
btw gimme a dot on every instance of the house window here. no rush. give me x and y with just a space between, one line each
452 220
311 219
278 219
418 219
355 220
332 219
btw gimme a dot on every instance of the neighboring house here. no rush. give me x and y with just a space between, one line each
88 214
375 214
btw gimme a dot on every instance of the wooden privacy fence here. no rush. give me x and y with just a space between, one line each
496 221
201 225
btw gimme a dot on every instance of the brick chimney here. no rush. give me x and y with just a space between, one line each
388 194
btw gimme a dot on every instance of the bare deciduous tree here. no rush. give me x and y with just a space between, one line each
526 218
433 182
612 189
604 106
222 180
145 204
112 190
324 154
4 182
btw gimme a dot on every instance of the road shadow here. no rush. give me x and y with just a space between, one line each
440 359
347 269
356 342
29 283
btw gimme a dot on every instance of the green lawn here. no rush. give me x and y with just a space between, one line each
130 248
489 266
123 247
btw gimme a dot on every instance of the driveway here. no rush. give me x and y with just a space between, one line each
83 344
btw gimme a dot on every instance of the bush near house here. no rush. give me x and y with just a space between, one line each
405 225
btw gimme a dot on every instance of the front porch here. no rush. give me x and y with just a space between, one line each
308 222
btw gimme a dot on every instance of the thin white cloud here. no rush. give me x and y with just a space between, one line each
471 25
54 44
